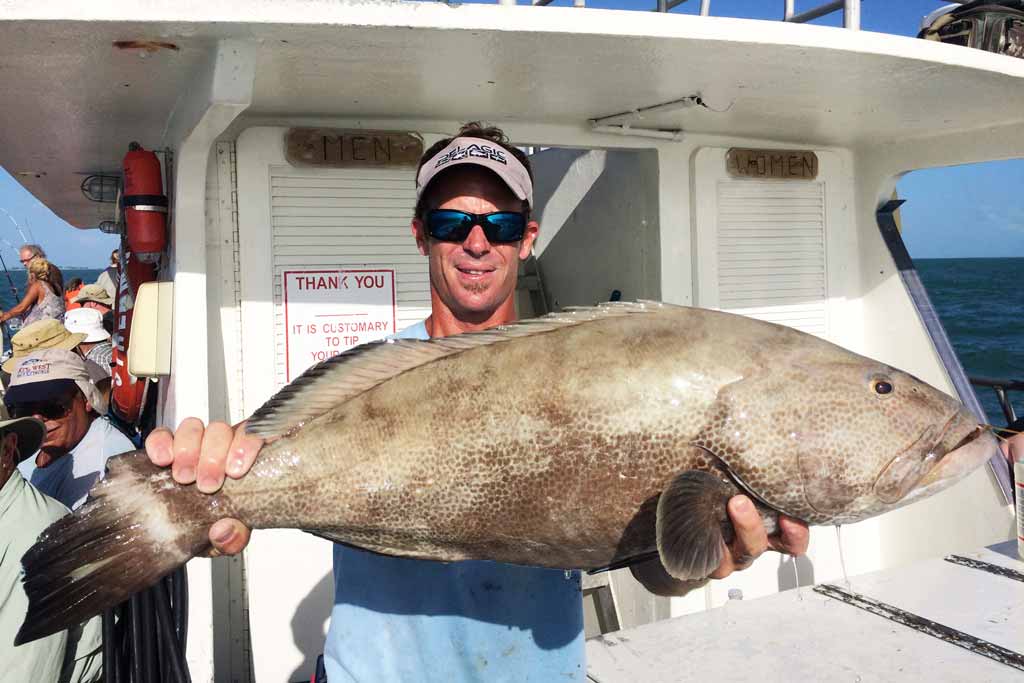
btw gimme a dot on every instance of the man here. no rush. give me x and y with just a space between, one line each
109 277
94 296
24 514
95 345
397 619
55 386
27 252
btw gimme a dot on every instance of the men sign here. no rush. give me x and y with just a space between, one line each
330 311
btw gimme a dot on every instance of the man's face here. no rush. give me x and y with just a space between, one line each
8 455
474 277
24 256
66 418
98 306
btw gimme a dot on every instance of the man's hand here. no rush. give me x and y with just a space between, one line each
205 456
752 540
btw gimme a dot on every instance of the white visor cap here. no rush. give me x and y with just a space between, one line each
483 153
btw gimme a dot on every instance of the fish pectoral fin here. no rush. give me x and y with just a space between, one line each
653 576
692 524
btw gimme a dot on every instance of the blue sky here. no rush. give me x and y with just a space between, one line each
941 212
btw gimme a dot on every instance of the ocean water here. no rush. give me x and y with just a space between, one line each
980 302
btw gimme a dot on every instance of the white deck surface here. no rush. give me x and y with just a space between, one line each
808 637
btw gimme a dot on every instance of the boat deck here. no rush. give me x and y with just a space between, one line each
809 636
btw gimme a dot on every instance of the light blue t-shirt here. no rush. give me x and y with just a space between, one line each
69 477
398 619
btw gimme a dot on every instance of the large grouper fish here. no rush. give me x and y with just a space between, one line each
590 438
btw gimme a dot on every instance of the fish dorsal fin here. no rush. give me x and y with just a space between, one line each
338 379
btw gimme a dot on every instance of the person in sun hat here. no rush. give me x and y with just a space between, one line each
457 621
56 386
94 296
42 334
95 345
74 655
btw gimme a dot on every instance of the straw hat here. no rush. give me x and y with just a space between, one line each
30 431
95 293
42 334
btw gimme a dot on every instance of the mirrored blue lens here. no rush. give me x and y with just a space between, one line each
449 225
507 226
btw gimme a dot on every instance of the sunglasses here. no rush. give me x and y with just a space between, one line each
448 225
48 410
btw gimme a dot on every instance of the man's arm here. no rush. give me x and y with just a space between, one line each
205 456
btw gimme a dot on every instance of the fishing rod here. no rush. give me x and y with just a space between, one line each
6 330
10 281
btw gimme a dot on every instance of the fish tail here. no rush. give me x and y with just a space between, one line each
137 526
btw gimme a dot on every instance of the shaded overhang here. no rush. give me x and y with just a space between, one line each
76 94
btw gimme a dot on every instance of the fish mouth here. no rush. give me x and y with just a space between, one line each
932 463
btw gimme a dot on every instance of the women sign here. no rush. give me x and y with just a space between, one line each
330 311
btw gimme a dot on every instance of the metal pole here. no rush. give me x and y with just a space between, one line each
788 9
662 5
705 8
819 11
506 2
851 14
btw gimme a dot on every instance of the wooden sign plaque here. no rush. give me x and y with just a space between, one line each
775 164
338 148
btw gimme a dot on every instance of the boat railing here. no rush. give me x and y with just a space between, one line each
1002 389
849 8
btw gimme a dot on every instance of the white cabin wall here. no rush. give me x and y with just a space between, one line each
869 313
868 308
973 513
599 218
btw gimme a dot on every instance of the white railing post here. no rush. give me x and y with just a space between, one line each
851 14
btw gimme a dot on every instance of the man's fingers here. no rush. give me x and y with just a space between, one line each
228 536
213 454
242 453
159 445
793 537
187 441
751 538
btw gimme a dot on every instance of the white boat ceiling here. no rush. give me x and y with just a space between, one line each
74 100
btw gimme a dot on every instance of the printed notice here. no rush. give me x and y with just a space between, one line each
330 311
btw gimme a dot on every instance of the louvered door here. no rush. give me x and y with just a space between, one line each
345 219
762 245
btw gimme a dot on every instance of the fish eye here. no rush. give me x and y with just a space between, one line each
881 386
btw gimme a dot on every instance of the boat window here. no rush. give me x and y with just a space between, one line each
964 229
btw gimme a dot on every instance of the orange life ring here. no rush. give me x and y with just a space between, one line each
145 238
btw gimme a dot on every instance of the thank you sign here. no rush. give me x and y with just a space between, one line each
330 311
